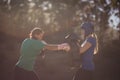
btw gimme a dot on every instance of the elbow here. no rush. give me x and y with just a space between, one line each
81 52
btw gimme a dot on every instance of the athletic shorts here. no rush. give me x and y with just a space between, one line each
21 74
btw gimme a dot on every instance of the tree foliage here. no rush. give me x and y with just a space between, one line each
56 15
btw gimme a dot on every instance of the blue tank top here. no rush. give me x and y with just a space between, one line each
87 57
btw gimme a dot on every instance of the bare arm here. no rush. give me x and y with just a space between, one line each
63 46
85 47
51 47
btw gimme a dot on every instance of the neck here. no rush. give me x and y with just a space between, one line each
90 35
40 39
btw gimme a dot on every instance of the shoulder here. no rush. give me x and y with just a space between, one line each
25 41
34 42
91 40
37 41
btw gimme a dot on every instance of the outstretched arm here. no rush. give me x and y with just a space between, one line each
63 46
51 47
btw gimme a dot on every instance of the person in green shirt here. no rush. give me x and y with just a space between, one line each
30 48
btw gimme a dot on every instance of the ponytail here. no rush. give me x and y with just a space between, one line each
96 48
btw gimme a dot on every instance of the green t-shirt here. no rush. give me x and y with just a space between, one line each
30 48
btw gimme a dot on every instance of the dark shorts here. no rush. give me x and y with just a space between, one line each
82 74
21 74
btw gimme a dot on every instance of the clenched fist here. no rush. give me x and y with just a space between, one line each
64 46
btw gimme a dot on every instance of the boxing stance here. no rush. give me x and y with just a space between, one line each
87 49
30 48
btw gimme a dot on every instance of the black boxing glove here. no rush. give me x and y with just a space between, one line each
73 40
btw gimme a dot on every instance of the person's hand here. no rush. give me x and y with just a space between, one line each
64 46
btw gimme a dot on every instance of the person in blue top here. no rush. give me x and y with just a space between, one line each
88 48
30 48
